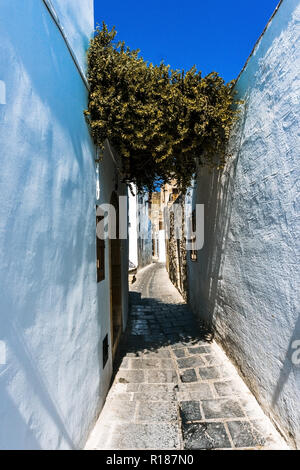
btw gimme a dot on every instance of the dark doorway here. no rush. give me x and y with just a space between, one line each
115 282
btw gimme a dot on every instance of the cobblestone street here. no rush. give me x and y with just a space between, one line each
174 387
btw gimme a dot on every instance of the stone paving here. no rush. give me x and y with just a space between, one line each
174 387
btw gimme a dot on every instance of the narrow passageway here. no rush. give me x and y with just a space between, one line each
174 387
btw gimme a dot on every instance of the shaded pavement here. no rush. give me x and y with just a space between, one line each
174 387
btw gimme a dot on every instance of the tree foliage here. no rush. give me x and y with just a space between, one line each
161 121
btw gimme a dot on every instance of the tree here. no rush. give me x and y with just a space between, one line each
160 121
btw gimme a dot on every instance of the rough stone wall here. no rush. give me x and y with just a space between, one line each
245 283
155 213
176 252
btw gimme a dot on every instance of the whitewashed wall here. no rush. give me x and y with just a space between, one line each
162 246
111 181
50 322
144 230
133 233
246 280
77 22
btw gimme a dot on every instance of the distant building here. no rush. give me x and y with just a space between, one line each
175 248
140 244
158 231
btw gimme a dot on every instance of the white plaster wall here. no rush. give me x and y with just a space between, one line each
110 181
162 246
144 231
77 19
50 324
133 235
246 280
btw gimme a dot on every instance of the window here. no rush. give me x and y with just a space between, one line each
193 238
100 252
105 350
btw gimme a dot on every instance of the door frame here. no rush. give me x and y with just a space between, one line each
115 340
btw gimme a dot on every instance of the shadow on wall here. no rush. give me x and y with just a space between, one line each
231 306
12 422
52 97
40 391
218 208
288 366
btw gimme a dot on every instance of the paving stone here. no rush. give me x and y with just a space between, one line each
251 407
156 331
180 352
222 408
145 436
156 411
138 324
187 362
167 363
226 388
188 375
136 363
199 436
199 350
114 412
170 329
100 435
190 386
131 354
213 360
135 343
134 387
152 339
245 434
125 396
201 391
140 331
129 376
192 341
160 353
154 396
152 363
162 376
190 411
179 323
125 363
177 345
209 373
162 388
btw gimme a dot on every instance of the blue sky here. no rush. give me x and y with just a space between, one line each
215 35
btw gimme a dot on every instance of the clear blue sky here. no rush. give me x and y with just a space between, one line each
215 35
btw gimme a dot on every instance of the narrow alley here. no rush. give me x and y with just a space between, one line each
174 388
149 235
